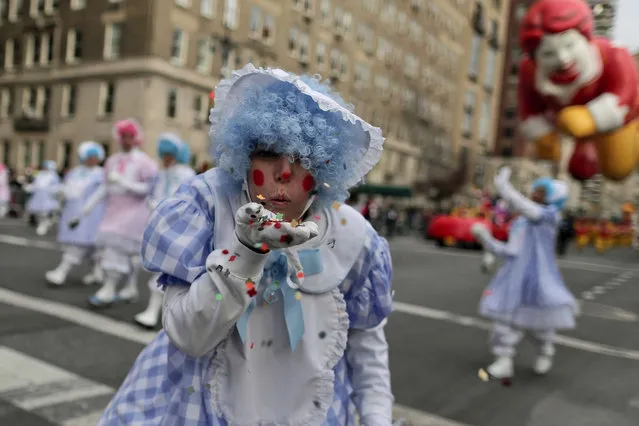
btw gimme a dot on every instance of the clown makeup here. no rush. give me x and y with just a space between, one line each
282 185
127 140
92 161
539 195
168 160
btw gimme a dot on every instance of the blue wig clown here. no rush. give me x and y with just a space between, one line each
170 144
555 191
91 149
295 116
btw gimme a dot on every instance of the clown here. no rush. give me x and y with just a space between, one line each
129 177
79 243
575 84
174 154
276 294
528 293
5 192
43 202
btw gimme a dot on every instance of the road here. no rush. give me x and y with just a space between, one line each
60 362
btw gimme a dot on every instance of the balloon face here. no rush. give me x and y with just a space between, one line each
564 57
583 164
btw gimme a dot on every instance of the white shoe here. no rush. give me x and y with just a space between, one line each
105 296
543 364
501 368
147 319
151 315
56 277
488 263
128 294
41 230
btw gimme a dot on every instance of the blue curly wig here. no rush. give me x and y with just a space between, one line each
170 144
90 149
555 192
184 157
278 117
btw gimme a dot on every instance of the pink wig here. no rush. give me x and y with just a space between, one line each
128 126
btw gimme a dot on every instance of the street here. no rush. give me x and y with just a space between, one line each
60 362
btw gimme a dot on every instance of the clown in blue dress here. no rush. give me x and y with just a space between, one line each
528 293
275 293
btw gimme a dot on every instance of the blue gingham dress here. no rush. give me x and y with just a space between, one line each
158 390
528 291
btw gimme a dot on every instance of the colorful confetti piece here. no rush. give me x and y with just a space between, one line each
336 205
326 185
261 197
294 223
218 296
298 295
279 216
343 221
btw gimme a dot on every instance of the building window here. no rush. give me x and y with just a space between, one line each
178 46
475 53
26 146
41 152
325 11
67 154
74 45
171 104
292 42
489 72
6 103
46 54
484 123
510 113
6 152
203 58
304 42
112 40
231 10
320 55
107 99
69 95
509 132
207 8
183 3
469 106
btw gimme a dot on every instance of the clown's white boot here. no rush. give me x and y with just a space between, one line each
106 295
58 275
501 368
94 277
543 364
151 315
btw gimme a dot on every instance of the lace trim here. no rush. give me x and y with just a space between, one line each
324 384
376 140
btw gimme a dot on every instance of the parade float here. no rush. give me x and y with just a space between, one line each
575 85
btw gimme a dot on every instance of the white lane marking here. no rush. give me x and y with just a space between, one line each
571 342
563 263
130 332
417 418
29 383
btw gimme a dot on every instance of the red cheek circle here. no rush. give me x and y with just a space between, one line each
308 183
258 177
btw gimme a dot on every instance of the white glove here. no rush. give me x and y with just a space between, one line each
488 262
503 177
115 177
256 226
480 231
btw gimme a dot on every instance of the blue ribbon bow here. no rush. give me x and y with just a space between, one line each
277 267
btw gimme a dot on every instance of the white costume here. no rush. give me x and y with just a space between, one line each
43 202
290 336
5 191
80 184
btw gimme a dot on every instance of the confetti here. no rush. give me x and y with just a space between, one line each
298 295
300 274
218 296
326 185
276 284
336 205
343 221
277 225
252 345
261 197
316 217
294 223
225 251
232 258
286 239
279 216
264 247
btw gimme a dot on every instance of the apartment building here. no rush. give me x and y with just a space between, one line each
482 88
70 68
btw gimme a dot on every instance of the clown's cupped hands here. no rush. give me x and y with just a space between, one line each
576 121
258 228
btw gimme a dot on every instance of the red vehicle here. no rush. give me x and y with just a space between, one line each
453 231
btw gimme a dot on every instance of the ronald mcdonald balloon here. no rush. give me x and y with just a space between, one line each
573 83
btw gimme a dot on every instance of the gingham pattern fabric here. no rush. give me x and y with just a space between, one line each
165 386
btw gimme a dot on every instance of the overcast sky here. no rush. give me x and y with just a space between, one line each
626 30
